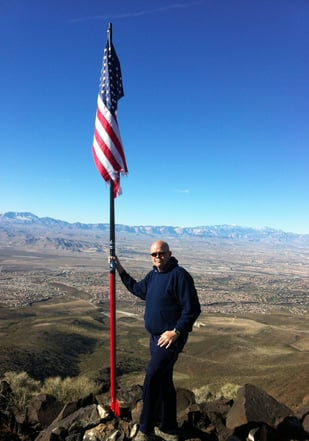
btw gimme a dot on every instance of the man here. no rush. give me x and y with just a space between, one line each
172 306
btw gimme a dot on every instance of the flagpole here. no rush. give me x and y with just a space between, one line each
114 402
110 161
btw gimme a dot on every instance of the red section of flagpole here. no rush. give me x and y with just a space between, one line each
114 402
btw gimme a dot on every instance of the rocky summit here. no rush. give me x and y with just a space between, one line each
252 416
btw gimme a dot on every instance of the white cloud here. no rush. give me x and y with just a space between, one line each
185 191
138 13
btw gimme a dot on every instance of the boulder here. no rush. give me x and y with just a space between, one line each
42 410
255 406
306 424
185 398
76 423
216 412
291 428
130 396
136 412
102 432
128 400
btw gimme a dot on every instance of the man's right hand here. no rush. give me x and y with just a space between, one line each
118 265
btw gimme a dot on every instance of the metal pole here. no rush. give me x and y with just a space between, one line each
114 402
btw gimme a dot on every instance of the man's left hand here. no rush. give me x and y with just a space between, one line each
167 339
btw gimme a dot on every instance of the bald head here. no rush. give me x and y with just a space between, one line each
160 254
159 245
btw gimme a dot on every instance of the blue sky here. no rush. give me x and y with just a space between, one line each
214 121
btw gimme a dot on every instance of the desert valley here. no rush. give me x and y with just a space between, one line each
54 305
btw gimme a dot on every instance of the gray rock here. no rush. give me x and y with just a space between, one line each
78 422
255 405
42 410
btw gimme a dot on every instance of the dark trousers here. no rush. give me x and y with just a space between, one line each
159 394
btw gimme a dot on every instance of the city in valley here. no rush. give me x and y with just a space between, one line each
231 276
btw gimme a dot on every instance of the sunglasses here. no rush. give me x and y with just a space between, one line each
158 254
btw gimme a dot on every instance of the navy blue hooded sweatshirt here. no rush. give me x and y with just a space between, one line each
171 298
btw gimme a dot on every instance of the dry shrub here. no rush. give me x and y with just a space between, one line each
23 388
69 389
227 391
203 394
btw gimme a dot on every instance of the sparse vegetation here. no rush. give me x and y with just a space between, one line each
66 390
69 389
227 391
23 387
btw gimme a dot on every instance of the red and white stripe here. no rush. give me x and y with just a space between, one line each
107 147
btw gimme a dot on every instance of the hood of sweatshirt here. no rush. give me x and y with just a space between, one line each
170 264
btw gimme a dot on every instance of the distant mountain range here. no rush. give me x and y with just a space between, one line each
28 229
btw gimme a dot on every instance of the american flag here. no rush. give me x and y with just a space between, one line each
107 146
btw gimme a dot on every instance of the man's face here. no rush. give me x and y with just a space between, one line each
160 255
